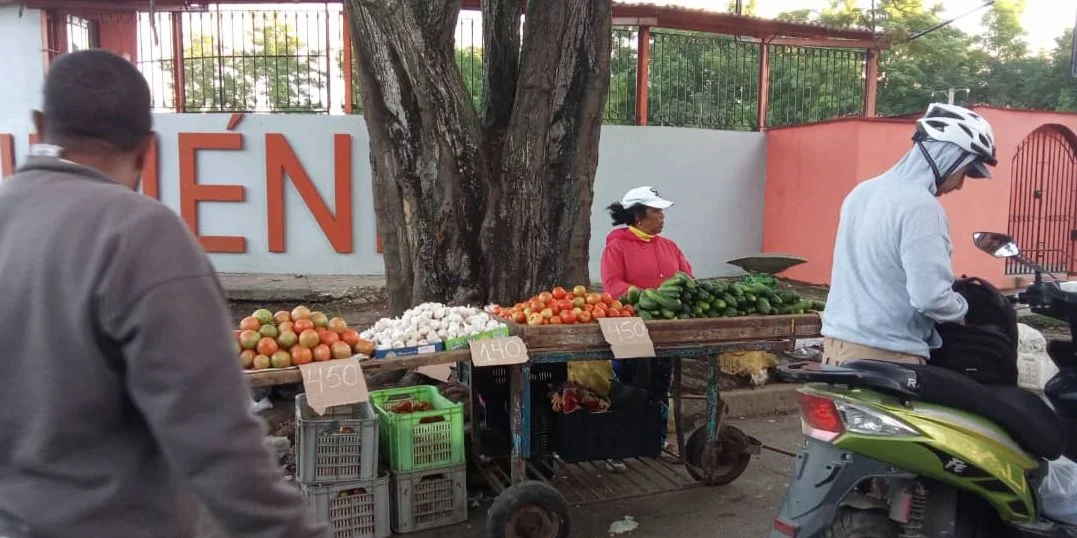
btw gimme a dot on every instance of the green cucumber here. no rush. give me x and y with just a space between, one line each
646 302
664 301
633 295
645 315
668 314
762 306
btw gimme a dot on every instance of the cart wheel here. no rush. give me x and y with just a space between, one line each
730 461
528 510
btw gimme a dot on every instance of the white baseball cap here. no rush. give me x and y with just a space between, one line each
645 195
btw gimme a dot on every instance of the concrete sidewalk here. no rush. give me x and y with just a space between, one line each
268 288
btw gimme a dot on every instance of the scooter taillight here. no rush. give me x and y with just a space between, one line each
785 528
821 418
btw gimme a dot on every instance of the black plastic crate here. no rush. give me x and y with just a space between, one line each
492 385
629 433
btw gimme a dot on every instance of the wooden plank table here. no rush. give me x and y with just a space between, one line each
290 376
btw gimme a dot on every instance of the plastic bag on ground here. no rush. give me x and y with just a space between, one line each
1058 492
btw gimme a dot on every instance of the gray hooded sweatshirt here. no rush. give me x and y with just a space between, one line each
125 407
892 277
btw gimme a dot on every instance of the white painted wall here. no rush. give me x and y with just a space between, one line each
715 177
22 69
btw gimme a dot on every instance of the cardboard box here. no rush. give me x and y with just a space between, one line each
460 342
408 351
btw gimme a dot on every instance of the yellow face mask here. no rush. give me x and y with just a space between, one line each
644 236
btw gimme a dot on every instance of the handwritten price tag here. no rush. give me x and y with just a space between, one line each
628 337
502 351
332 383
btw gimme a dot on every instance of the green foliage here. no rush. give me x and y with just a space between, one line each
275 67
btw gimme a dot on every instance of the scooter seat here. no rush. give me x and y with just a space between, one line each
1027 417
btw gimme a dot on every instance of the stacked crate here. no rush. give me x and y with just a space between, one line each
425 450
337 469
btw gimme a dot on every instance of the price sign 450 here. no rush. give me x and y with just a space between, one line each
332 383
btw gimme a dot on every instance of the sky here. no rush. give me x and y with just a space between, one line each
1044 20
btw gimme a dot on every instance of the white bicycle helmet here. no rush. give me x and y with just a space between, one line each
963 127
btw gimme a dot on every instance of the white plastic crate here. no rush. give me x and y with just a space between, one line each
429 499
339 446
352 510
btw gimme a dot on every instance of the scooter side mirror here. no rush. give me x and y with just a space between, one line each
996 244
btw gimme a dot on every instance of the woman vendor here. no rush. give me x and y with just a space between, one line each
636 255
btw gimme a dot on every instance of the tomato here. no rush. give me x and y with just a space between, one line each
280 359
559 293
364 347
519 317
629 310
565 304
249 339
617 305
288 327
568 316
282 316
554 308
287 339
301 355
340 350
250 323
300 312
267 346
547 313
246 359
584 317
545 297
322 352
536 305
302 325
350 336
599 313
337 325
554 321
579 291
495 310
329 337
614 313
606 298
593 298
588 307
309 338
534 319
579 302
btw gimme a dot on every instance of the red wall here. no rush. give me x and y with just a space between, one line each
811 168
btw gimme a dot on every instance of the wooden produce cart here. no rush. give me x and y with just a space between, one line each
533 499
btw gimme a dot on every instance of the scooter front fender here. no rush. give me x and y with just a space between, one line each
823 477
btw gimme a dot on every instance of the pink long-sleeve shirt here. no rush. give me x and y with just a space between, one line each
631 261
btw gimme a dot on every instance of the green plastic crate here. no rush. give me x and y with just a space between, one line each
423 440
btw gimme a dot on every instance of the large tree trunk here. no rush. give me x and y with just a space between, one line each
494 209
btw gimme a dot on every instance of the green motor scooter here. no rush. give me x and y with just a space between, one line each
896 451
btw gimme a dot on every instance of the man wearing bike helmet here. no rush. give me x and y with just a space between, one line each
892 279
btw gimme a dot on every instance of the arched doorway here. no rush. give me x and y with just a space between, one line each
1043 200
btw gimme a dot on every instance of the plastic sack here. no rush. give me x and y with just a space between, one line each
1058 492
595 375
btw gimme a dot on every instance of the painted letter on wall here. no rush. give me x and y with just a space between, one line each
280 160
191 193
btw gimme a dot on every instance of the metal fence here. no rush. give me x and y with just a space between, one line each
242 60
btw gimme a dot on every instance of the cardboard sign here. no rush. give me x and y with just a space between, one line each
628 337
332 383
502 351
440 372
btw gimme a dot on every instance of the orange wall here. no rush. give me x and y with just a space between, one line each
811 168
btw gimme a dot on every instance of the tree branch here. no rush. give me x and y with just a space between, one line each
429 172
551 145
500 60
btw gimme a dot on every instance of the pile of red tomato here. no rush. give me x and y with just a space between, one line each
560 306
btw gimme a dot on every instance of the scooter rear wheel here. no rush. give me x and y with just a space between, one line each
852 523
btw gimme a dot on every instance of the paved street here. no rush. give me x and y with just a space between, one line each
743 509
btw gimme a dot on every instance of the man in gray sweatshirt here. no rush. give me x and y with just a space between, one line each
891 281
126 407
